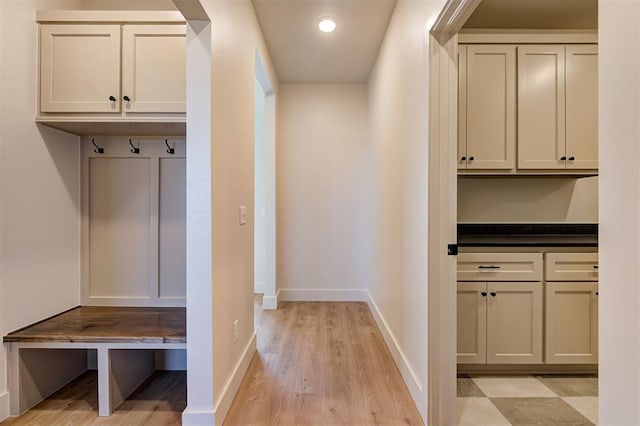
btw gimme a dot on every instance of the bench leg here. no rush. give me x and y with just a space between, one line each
14 380
120 372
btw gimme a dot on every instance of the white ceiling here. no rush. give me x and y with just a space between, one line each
303 54
535 14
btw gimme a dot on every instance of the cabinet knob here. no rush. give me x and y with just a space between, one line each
471 158
563 158
597 293
112 98
572 158
463 158
493 294
483 294
126 98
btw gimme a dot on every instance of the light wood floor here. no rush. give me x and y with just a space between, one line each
159 401
321 364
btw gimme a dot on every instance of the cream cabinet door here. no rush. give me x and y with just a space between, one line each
514 323
472 323
154 68
462 107
541 107
79 68
490 107
582 106
572 323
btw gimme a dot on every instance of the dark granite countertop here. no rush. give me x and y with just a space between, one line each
528 234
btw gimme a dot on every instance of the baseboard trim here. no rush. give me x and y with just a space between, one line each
198 418
233 384
407 372
323 295
270 303
4 406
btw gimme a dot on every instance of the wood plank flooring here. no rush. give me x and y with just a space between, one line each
321 364
160 400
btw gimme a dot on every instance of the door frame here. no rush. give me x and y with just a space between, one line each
443 147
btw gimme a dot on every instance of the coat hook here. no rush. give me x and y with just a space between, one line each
97 150
134 150
169 149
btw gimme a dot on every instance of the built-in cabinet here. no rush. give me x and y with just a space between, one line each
549 93
557 107
486 115
112 67
507 315
499 320
571 326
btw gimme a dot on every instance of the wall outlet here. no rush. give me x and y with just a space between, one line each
243 215
235 331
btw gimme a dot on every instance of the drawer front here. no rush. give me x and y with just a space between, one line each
499 267
571 267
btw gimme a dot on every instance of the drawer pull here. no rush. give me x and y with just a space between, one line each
483 294
493 294
488 267
595 266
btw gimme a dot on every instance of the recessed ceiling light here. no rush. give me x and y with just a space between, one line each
327 25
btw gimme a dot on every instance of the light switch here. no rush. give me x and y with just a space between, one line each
243 215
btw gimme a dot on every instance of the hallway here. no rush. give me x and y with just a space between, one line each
321 363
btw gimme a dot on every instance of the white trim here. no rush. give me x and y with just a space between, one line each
198 418
4 406
416 388
527 36
271 302
233 384
77 16
322 295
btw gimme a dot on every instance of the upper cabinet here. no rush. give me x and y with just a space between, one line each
487 121
80 68
549 93
97 69
541 107
154 68
557 107
582 106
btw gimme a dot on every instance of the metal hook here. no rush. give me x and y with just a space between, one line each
97 150
134 150
169 149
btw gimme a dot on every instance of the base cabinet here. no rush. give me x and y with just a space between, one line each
571 323
499 323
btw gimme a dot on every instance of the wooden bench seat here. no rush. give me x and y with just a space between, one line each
48 354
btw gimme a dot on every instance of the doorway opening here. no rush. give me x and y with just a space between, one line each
264 187
461 191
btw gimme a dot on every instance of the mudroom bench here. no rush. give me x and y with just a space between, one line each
123 343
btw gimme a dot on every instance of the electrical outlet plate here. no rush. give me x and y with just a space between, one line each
243 215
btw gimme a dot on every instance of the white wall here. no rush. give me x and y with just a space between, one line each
528 199
228 154
321 159
619 302
398 137
39 187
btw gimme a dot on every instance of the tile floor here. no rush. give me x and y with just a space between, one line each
527 400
